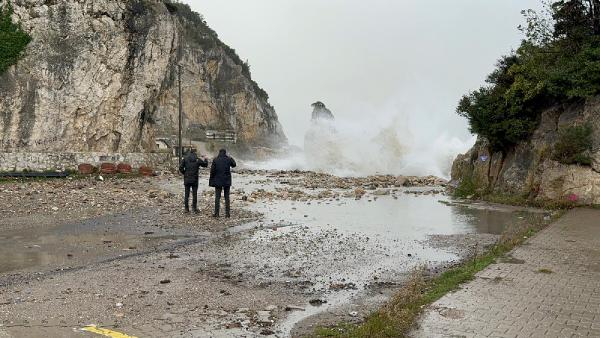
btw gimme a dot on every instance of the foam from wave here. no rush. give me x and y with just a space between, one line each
393 144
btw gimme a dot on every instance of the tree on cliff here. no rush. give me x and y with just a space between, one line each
558 62
13 39
576 21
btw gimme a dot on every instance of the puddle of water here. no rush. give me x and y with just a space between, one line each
396 228
407 217
71 245
295 317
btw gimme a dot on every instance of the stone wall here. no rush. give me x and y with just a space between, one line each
19 161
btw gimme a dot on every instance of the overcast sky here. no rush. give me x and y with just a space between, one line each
363 58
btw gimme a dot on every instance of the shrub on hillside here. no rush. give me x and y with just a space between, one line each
574 145
467 188
13 39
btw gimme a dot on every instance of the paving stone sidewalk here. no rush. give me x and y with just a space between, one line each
550 287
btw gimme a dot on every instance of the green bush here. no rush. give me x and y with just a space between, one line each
503 112
574 145
13 39
467 188
554 65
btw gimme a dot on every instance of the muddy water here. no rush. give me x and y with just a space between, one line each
76 244
406 217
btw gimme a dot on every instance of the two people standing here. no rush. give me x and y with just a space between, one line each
220 179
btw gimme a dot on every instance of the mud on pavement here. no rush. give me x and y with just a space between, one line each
302 249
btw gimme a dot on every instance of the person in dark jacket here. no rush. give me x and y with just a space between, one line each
220 179
190 168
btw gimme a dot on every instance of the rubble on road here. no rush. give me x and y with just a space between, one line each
88 197
315 180
308 186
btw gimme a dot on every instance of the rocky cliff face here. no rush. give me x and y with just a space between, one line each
102 76
529 171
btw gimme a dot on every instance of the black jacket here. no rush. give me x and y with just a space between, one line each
190 168
220 171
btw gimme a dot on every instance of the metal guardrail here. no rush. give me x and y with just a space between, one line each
222 135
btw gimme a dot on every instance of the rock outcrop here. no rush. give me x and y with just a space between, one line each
320 112
321 140
529 171
102 76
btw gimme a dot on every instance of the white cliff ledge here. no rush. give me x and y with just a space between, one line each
101 76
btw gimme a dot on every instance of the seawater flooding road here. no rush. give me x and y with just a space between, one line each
302 249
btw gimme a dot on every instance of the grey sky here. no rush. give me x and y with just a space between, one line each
368 57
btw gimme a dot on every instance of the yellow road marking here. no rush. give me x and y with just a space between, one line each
106 332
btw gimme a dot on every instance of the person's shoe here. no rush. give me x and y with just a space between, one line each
215 215
228 216
186 211
196 211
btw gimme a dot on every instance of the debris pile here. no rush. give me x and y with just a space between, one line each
83 198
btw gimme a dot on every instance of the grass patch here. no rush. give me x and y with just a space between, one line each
7 180
73 175
399 315
523 201
546 271
467 188
518 200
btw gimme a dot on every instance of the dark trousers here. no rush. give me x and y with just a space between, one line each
194 188
218 200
